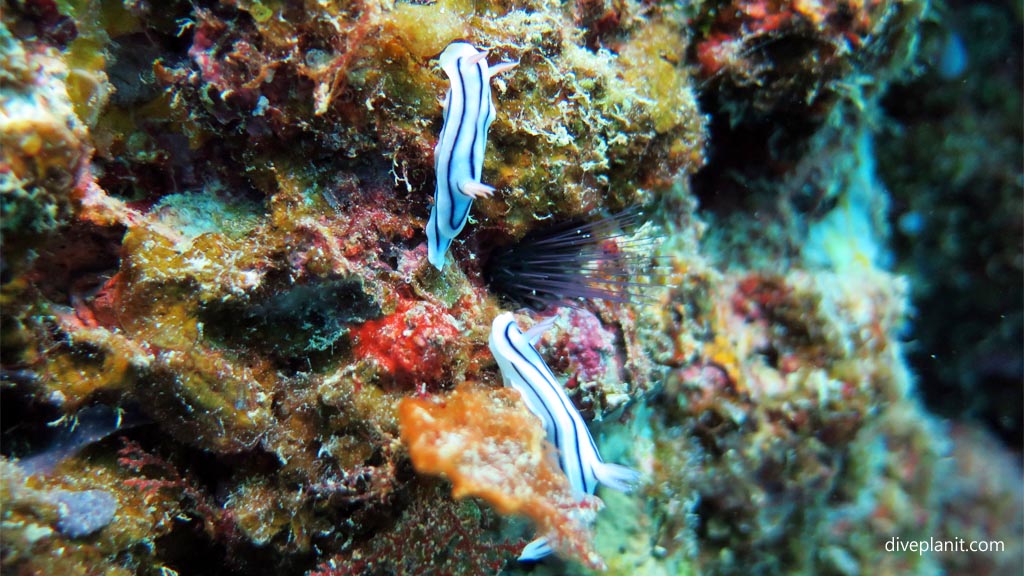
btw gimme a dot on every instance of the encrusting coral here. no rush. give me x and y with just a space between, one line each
45 151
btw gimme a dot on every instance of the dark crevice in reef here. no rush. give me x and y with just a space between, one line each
25 419
186 550
746 160
300 326
190 548
78 262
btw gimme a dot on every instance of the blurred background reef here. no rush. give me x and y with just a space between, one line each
214 293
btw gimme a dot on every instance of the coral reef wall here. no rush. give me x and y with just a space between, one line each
224 350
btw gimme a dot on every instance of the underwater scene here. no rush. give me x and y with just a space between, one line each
522 287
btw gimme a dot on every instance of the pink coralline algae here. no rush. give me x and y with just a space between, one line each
583 348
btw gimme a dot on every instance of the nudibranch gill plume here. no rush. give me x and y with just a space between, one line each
523 368
459 154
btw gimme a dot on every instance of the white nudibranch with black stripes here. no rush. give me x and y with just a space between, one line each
459 154
523 368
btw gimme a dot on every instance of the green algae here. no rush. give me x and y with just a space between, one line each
304 319
196 214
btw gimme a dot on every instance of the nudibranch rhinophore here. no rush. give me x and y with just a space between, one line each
459 154
523 368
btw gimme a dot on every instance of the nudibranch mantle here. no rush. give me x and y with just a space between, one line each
459 154
523 368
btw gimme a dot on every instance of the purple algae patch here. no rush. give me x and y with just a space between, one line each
83 512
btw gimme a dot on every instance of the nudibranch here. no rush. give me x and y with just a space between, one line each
459 154
523 368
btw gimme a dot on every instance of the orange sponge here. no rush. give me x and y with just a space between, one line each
489 445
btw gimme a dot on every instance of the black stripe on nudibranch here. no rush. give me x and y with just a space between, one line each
476 165
476 125
453 185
